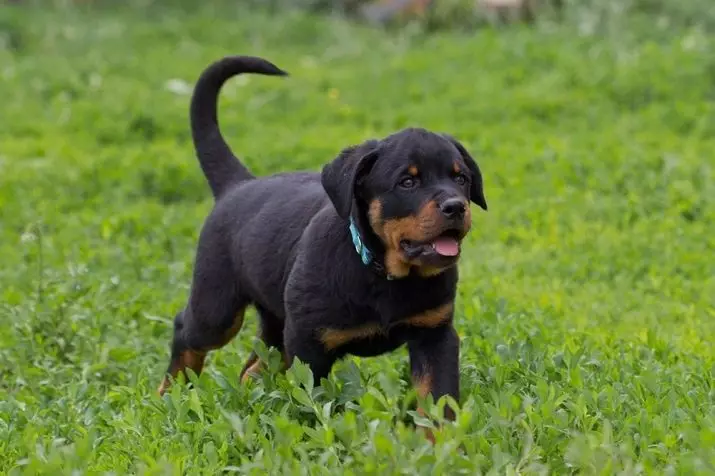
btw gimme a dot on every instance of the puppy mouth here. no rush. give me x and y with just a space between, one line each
444 247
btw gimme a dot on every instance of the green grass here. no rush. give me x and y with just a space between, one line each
587 300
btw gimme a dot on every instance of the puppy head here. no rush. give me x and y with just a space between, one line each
414 187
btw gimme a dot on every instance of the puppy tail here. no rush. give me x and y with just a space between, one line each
220 166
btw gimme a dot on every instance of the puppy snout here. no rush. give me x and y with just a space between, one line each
453 208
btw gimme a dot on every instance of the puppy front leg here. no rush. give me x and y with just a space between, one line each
434 362
309 350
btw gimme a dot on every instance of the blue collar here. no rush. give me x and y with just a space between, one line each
366 255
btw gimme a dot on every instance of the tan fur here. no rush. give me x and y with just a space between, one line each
467 217
233 330
255 364
423 386
429 271
188 359
254 368
421 227
194 359
431 318
334 338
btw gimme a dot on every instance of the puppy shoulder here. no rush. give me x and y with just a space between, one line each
324 255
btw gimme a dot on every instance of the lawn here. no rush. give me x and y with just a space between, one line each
586 304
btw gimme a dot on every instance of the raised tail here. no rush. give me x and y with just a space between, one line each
220 166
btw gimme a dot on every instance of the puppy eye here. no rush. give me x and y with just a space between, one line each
460 179
408 182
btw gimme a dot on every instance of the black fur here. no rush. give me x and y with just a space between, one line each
340 177
282 244
218 163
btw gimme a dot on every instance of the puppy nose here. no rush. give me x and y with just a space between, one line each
453 208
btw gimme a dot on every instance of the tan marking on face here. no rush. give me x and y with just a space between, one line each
395 264
456 167
432 317
421 227
412 170
429 271
334 338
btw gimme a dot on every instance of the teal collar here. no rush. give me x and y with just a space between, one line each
364 252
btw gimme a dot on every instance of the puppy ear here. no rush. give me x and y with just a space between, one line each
476 192
340 177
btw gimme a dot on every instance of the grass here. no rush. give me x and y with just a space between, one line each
587 299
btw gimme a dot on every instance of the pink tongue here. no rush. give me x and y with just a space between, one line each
446 246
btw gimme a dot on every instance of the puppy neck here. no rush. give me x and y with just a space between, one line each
367 245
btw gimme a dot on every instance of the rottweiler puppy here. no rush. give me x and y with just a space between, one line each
358 259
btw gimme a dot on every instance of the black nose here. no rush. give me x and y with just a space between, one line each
453 208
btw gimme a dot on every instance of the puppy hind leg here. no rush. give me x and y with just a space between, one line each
189 350
212 318
181 357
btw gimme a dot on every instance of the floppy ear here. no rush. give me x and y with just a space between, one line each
476 192
340 177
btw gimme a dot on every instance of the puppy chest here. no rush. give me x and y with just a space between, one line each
377 336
